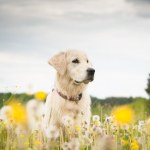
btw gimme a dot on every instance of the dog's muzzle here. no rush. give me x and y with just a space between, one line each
89 78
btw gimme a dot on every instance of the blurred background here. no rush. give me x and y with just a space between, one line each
115 34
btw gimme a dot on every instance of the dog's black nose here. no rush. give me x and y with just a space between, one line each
91 71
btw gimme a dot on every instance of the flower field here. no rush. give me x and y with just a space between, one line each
120 129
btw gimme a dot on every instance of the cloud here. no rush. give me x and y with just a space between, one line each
26 24
141 7
37 12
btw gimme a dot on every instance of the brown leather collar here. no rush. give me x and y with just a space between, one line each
72 98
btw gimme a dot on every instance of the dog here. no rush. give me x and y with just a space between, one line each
68 102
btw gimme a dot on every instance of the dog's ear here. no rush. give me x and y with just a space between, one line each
59 62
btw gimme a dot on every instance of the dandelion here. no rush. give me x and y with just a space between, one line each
97 123
18 112
108 119
86 139
124 126
5 113
73 144
67 121
123 115
114 127
66 146
95 118
134 145
97 129
40 96
141 125
52 132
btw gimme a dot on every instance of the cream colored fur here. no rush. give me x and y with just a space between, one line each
56 108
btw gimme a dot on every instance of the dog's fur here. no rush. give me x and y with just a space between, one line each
56 107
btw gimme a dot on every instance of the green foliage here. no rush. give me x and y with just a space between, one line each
113 101
6 97
148 87
99 106
140 105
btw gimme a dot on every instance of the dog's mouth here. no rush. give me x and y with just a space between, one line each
86 81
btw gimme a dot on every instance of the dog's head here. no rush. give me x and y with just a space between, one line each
75 64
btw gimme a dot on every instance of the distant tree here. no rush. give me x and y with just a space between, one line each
148 86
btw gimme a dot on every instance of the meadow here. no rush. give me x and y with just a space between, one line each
116 124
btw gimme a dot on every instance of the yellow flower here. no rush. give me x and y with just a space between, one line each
123 115
77 128
37 142
124 142
134 145
40 95
97 122
18 112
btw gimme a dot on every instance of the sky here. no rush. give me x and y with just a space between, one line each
115 35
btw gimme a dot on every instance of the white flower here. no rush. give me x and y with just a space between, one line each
95 118
35 108
97 123
37 126
141 125
124 127
108 119
97 129
52 132
114 126
20 130
75 144
5 113
66 146
67 121
86 139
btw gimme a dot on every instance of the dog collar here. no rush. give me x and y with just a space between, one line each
72 98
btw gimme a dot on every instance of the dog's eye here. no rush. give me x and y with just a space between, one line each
76 61
87 61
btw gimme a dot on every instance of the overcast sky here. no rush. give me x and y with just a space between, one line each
115 34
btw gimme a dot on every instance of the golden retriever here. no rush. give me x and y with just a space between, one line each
69 103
